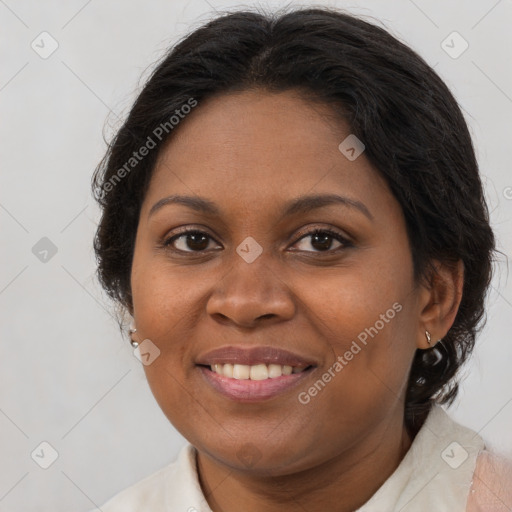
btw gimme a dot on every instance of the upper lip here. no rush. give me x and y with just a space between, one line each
252 356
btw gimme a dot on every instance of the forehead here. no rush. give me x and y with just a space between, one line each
259 148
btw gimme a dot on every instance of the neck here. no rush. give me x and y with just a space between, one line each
348 479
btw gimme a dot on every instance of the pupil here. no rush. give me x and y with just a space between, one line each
325 240
196 241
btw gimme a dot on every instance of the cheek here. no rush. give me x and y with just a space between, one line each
365 317
349 301
169 305
163 298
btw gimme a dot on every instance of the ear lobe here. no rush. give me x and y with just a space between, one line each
441 301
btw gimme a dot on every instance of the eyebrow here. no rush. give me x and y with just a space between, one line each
299 205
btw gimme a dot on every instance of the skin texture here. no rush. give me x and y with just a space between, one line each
250 153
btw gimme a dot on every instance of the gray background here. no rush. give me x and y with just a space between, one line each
68 377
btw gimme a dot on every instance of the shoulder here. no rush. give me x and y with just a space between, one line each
491 489
148 493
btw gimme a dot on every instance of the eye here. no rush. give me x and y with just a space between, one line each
191 240
321 240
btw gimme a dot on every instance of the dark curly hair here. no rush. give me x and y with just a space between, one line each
413 129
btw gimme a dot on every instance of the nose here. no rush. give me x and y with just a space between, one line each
250 293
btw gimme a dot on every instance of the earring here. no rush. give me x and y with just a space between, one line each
133 330
427 334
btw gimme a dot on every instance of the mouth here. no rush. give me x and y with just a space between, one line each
251 374
254 383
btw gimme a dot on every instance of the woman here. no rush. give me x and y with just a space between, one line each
293 216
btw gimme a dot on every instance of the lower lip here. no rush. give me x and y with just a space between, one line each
247 390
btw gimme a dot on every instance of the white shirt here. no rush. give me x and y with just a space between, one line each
446 469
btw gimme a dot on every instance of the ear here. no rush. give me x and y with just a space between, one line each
439 301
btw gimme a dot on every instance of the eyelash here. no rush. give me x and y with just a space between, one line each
167 243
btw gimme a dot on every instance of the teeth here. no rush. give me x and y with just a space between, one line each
275 370
254 372
241 371
227 370
258 372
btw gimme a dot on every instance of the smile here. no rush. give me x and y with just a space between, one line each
242 386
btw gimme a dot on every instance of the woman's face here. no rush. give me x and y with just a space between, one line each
257 276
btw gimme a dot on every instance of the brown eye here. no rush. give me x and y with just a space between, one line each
322 239
189 241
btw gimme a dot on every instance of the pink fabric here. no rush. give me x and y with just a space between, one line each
491 488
